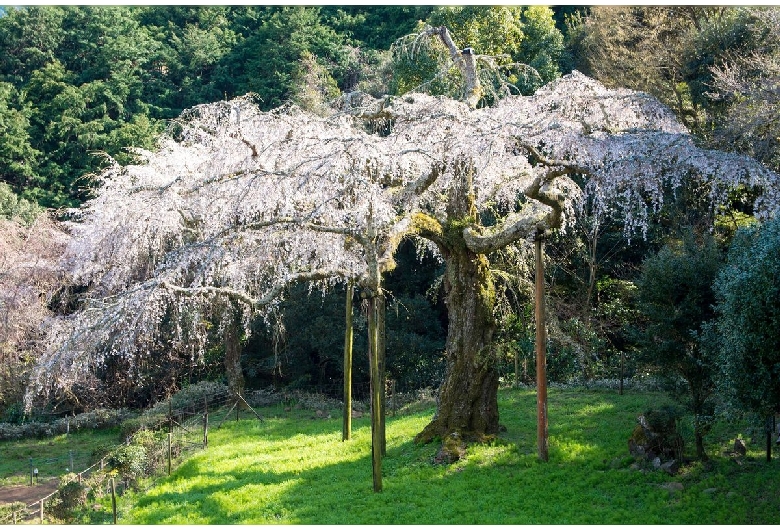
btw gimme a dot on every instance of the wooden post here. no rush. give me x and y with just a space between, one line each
238 405
205 423
169 452
622 371
346 428
376 392
113 497
40 502
517 367
381 349
70 461
31 471
170 415
541 357
770 430
392 392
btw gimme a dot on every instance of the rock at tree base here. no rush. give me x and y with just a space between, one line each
656 440
453 448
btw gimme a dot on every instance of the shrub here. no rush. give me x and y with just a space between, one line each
7 512
71 495
130 461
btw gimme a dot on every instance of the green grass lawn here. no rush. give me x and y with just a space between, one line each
293 469
52 455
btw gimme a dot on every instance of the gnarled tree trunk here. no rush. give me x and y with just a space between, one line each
468 403
235 375
468 399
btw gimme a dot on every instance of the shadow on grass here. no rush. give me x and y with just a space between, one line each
307 478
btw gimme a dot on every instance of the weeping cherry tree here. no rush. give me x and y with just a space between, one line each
238 204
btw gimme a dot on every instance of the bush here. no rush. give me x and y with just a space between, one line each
7 512
130 461
96 419
71 495
189 398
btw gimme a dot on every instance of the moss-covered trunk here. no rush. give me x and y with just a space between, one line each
468 402
235 375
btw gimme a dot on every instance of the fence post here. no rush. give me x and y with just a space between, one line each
70 460
31 471
392 389
170 415
169 453
205 423
102 463
40 502
113 498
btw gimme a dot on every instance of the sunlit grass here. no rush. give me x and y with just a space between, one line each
298 471
50 455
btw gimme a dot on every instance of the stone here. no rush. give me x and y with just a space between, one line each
710 491
671 467
673 486
452 449
657 463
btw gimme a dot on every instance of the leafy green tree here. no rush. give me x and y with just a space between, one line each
29 39
17 156
523 43
267 61
14 208
676 298
748 309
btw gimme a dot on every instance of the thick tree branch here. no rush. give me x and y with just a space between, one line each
515 226
269 296
466 62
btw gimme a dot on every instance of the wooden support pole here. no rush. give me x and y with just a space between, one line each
346 428
113 497
376 392
205 423
381 350
40 502
541 357
169 452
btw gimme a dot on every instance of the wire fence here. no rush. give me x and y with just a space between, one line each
85 481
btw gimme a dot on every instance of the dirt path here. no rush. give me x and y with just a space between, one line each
27 494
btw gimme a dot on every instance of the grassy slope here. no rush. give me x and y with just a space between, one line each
51 455
296 470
